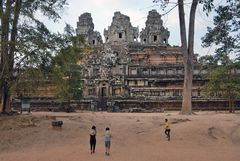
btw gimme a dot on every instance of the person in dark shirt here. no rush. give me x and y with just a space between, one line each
93 133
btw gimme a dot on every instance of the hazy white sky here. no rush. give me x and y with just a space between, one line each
103 10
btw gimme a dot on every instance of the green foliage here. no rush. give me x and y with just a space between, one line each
208 60
207 5
225 33
27 46
67 74
68 83
48 8
163 3
213 61
28 81
224 82
34 43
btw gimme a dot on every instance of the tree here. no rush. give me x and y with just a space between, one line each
210 62
66 71
225 33
68 82
27 82
25 41
187 46
224 82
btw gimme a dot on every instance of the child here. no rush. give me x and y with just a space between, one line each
93 139
167 129
107 139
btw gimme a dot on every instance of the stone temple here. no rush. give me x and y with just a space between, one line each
130 69
124 72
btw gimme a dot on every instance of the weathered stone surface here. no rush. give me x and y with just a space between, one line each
154 32
124 69
85 28
121 30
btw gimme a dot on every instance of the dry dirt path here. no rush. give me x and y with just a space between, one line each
207 136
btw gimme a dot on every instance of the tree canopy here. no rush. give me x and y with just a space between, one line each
224 82
224 73
25 40
225 33
66 71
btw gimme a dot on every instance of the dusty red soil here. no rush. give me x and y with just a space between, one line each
206 136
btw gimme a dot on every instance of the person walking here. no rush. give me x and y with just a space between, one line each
93 133
167 129
107 139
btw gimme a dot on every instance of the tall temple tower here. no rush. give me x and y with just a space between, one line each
121 30
154 32
85 28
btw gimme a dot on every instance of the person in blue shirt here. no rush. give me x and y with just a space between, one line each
107 139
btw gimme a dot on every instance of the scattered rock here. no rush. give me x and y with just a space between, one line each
56 123
139 132
175 121
210 132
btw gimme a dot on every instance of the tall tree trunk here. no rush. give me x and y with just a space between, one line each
233 106
12 49
5 20
185 95
187 54
8 44
229 105
6 97
10 58
1 11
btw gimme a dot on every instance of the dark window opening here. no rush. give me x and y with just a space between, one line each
145 71
144 40
176 92
135 39
161 84
164 41
135 82
93 42
154 38
120 35
104 92
199 92
92 91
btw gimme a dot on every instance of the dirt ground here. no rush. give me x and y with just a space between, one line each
206 136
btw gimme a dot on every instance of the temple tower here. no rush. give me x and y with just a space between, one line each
85 28
154 32
121 30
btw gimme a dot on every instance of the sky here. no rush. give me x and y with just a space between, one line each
102 12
